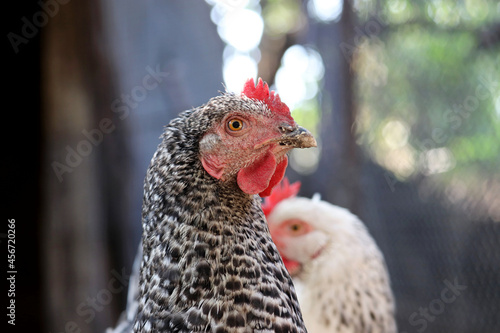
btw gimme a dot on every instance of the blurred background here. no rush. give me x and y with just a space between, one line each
403 97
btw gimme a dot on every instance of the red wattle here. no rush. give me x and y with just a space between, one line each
276 178
256 177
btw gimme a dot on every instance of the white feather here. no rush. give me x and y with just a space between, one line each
347 284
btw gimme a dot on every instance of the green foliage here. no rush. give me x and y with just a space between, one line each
281 16
308 115
426 73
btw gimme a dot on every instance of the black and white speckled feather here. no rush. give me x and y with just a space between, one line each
208 264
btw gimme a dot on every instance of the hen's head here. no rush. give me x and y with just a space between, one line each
305 229
248 138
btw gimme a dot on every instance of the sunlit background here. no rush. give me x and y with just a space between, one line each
402 96
421 112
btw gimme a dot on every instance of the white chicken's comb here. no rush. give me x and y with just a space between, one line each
316 197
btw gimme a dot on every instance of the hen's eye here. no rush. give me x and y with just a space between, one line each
295 227
235 125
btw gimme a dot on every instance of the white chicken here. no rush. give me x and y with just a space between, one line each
339 272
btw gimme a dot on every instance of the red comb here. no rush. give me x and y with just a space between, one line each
281 192
261 92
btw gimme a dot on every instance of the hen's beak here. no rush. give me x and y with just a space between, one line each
293 137
301 138
297 137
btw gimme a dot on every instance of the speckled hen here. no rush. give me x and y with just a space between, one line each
209 263
340 274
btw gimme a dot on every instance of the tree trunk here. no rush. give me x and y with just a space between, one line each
337 178
114 73
76 96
